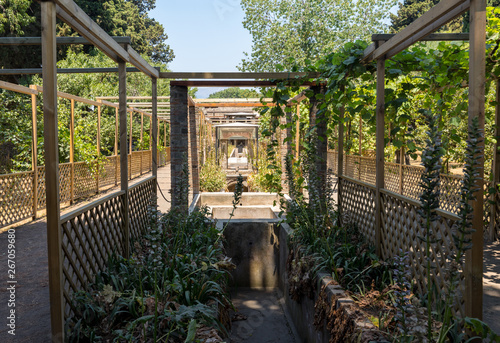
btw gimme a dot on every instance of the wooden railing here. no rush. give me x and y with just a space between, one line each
20 199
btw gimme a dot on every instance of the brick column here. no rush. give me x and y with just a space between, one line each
178 143
320 122
193 151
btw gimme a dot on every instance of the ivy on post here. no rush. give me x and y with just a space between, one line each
318 120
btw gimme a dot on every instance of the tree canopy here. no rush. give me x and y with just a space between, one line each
287 32
235 92
116 17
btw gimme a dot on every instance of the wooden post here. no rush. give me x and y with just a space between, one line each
379 162
154 123
117 117
360 148
474 257
72 150
496 165
142 136
130 144
34 151
401 159
321 144
54 233
98 148
122 76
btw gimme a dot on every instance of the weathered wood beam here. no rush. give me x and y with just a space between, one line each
230 83
132 97
54 232
236 75
59 40
141 63
88 34
72 97
431 37
17 88
35 71
437 16
233 100
473 269
236 104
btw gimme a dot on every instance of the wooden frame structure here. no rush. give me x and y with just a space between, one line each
181 105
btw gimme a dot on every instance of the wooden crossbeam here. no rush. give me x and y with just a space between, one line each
17 88
75 17
59 40
141 63
233 104
432 37
437 16
229 83
35 71
236 75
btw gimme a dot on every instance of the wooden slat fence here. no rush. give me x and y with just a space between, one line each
77 180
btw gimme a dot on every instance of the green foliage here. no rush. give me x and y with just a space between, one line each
298 32
235 93
177 278
212 176
267 176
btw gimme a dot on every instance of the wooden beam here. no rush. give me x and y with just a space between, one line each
477 78
54 232
496 164
17 41
72 149
234 100
34 151
35 71
432 37
231 83
430 21
75 17
17 88
87 33
131 97
236 75
141 63
73 97
296 99
234 104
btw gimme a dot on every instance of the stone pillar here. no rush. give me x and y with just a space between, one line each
178 145
193 151
320 122
285 146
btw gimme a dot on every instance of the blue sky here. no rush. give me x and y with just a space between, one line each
206 35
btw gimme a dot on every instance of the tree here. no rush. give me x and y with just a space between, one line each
116 17
409 10
235 92
289 32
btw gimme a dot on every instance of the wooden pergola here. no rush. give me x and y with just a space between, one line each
182 108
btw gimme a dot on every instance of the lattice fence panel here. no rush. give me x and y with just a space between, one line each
146 161
65 182
368 170
402 231
41 198
358 204
107 175
85 181
392 177
332 162
139 202
135 162
16 197
411 181
450 192
351 166
89 237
